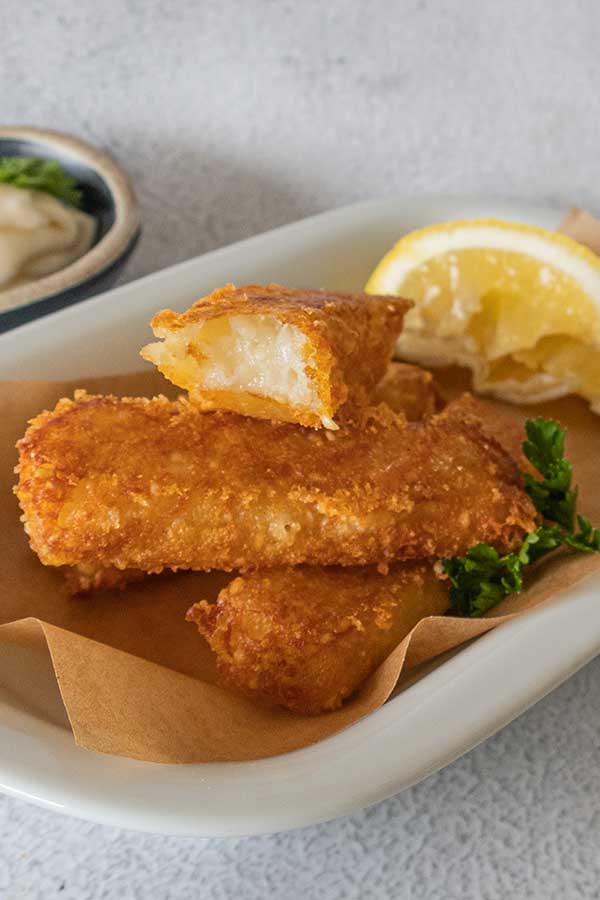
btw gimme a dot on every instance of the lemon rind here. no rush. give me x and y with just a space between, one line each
549 248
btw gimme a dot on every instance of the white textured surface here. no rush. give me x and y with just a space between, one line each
234 117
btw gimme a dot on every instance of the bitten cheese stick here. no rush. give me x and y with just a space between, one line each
307 637
278 353
409 390
155 484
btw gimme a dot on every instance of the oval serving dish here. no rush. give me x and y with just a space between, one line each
107 195
424 727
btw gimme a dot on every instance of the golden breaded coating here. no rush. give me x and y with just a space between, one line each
406 389
495 422
155 484
278 353
307 637
82 577
409 390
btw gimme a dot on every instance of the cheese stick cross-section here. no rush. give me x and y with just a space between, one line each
278 353
154 484
307 637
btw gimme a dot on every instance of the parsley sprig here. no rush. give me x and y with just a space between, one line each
482 578
40 175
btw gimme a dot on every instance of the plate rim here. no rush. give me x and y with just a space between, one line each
303 223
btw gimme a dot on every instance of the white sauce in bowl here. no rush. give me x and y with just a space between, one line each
38 236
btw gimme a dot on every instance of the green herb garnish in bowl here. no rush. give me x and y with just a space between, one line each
40 175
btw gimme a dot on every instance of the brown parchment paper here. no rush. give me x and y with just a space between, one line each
136 680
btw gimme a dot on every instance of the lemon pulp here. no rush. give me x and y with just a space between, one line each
529 325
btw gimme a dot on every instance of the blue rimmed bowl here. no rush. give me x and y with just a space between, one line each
107 195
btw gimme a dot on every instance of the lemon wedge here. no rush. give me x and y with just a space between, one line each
519 305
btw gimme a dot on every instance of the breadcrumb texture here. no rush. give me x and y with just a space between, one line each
307 637
496 422
405 388
145 484
410 390
278 353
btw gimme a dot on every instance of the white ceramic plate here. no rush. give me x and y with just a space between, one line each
455 707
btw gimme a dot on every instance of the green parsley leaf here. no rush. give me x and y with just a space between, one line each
482 578
476 580
587 539
542 541
552 496
40 175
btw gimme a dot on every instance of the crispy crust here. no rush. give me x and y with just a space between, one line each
307 637
83 578
409 390
350 341
405 389
496 424
154 484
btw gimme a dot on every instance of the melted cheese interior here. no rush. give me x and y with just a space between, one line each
233 361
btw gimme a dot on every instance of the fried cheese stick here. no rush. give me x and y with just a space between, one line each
155 484
307 637
405 388
278 353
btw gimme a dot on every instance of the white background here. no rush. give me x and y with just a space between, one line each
233 116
